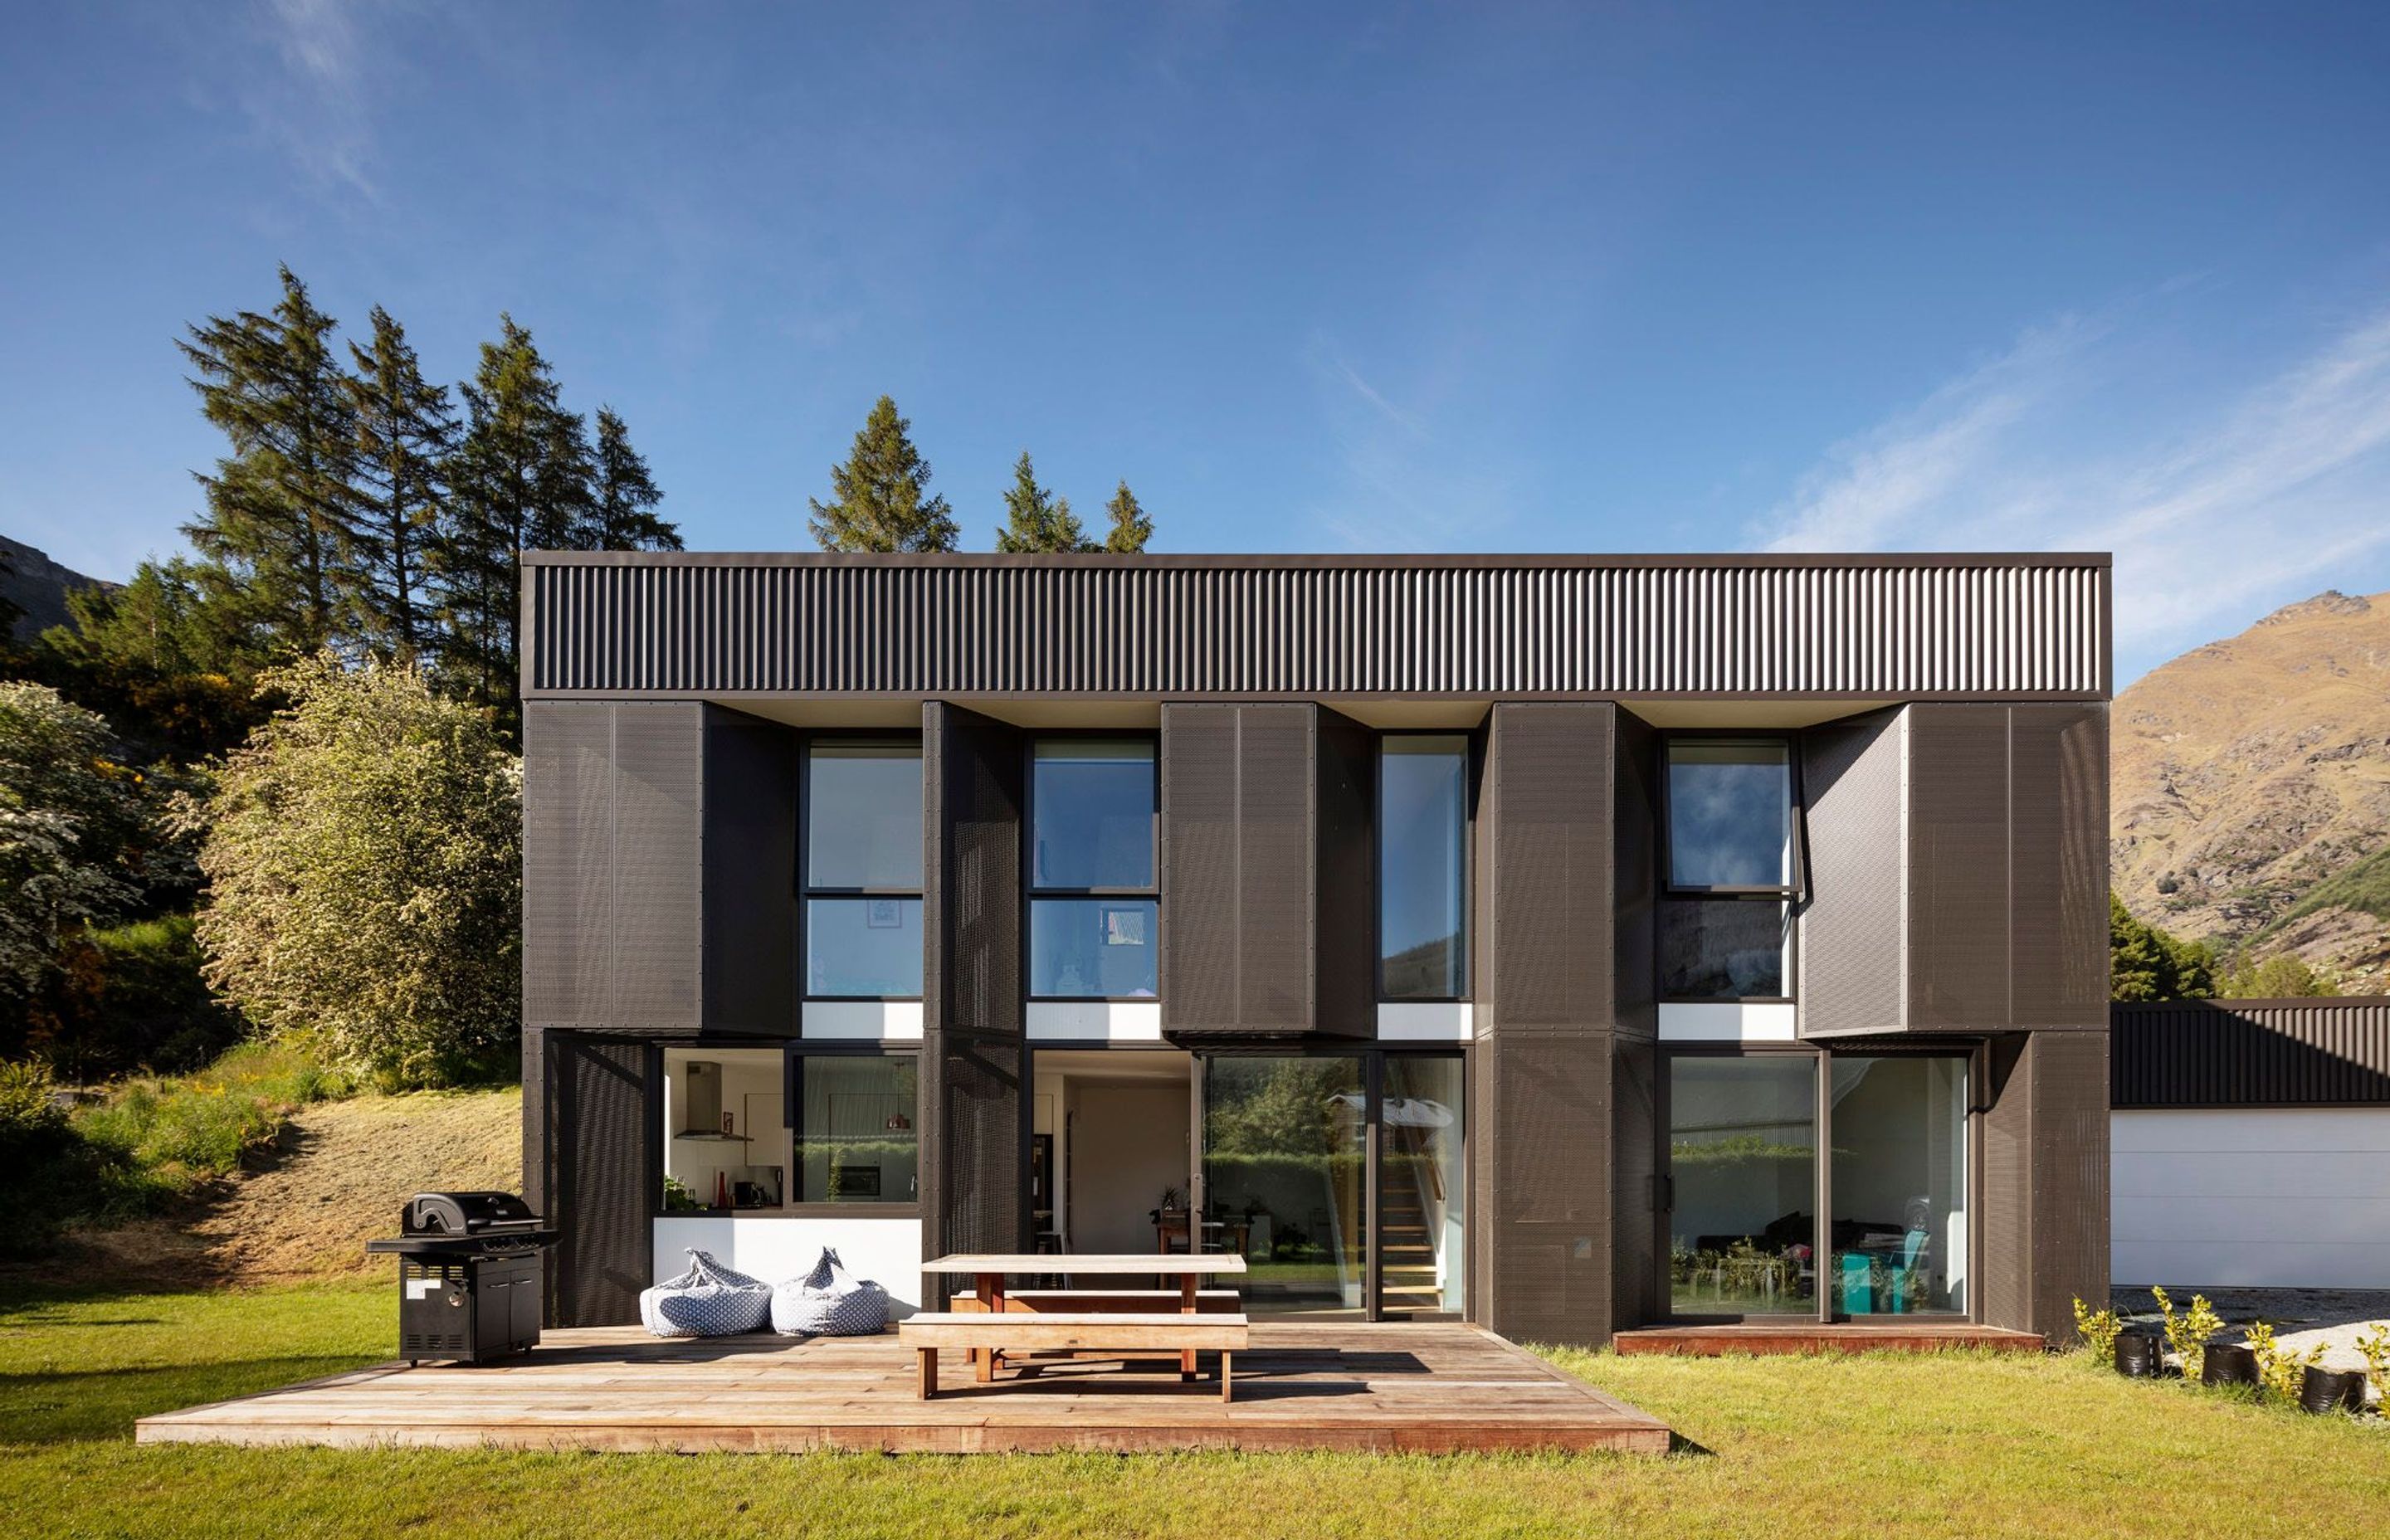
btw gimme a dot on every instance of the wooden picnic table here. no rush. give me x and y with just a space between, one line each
988 1269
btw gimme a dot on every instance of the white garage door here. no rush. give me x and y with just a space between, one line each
2292 1198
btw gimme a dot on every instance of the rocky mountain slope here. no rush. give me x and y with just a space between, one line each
2250 789
37 585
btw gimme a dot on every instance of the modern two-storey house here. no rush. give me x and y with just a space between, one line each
1565 943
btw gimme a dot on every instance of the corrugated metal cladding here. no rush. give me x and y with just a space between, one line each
2251 1052
985 625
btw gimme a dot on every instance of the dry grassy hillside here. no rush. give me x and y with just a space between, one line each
343 1169
2247 772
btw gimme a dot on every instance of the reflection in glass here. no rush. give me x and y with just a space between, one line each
1284 1175
1423 1185
1729 815
863 815
1723 949
726 1141
1099 947
1092 804
856 1136
1422 865
1899 1185
1742 1159
867 946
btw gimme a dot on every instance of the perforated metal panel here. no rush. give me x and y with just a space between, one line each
1345 968
1276 898
983 1197
1548 860
654 942
568 866
1958 867
1200 987
1852 926
749 874
1485 626
973 840
2004 1271
2252 1053
612 856
1544 1210
599 1149
2058 867
1635 882
1634 1142
2070 1175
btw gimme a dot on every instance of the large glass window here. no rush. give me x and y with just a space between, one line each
1094 913
1093 802
1423 1185
1742 1164
725 1134
731 1144
1899 1184
1723 949
1093 948
863 869
1423 866
856 1138
1729 814
1285 1167
1732 860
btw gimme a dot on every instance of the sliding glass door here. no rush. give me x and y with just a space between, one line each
1341 1180
1742 1164
1745 1184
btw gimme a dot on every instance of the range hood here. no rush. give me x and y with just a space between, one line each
702 1103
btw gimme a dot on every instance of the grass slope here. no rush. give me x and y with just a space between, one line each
1778 1448
2364 887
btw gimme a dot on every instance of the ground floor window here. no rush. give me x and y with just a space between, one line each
726 1137
1746 1184
767 1128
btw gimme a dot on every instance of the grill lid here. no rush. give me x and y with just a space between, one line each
466 1213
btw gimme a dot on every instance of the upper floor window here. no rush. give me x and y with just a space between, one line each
863 869
1729 815
1094 906
1732 865
1423 866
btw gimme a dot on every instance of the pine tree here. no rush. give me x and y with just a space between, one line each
405 434
880 495
1035 518
623 500
276 533
1131 526
522 482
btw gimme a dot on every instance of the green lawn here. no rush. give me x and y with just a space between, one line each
1777 1447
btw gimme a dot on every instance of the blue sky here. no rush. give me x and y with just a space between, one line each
1389 278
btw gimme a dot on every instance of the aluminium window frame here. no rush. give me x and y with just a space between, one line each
1791 894
1472 767
1031 892
806 892
791 1050
1974 1054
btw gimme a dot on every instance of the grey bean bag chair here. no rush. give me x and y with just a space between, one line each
707 1300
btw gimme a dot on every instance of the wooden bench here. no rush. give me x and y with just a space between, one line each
992 1333
1093 1302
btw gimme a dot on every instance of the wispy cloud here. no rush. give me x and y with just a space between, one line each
2252 498
312 93
1397 491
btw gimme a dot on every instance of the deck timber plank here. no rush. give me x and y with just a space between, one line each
1429 1388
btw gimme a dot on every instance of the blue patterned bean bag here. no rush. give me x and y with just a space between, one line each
707 1300
829 1302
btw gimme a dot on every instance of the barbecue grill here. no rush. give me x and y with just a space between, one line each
468 1276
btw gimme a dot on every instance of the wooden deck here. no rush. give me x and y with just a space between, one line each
1769 1337
1436 1389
